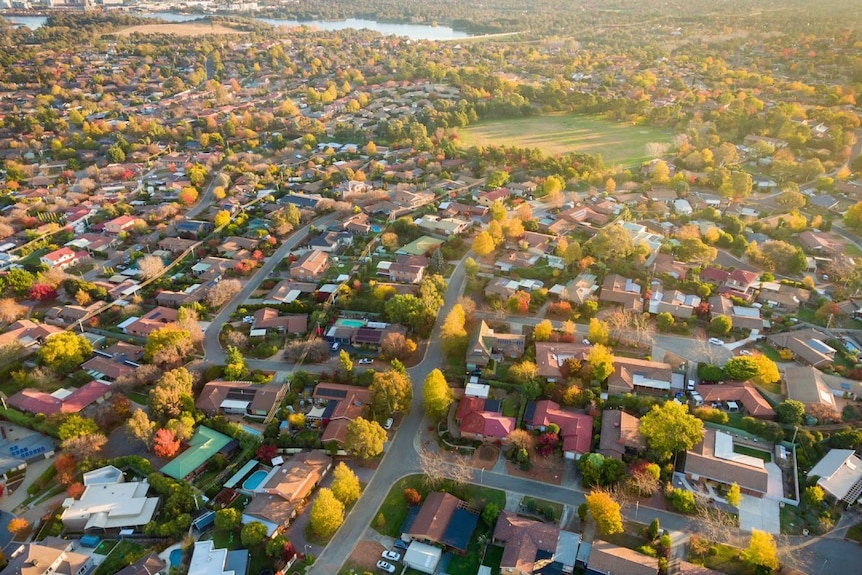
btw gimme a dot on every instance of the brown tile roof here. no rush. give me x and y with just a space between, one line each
521 538
744 393
298 476
619 431
701 461
613 560
434 516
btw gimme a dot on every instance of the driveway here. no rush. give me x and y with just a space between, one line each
756 513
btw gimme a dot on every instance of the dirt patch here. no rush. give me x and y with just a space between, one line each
544 469
365 555
486 456
179 29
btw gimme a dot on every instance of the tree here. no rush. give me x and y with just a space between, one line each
228 519
734 495
670 428
66 468
235 369
484 244
813 496
20 280
345 362
139 427
165 443
412 497
471 267
612 242
171 391
543 330
605 512
391 391
599 332
720 325
853 216
364 438
665 321
188 196
437 395
327 514
11 310
75 425
151 266
524 372
43 292
222 218
168 345
64 352
790 412
762 551
345 484
18 527
453 333
115 154
741 368
767 369
84 447
223 292
253 534
395 346
601 362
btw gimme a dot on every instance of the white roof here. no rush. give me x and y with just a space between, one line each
208 561
104 476
724 450
234 404
422 557
477 390
260 332
839 470
112 506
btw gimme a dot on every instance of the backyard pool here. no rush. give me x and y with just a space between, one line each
254 480
349 322
176 557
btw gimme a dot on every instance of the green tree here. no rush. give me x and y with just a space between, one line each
670 428
490 514
605 512
327 514
453 333
601 362
65 351
665 321
115 154
171 393
235 368
741 368
391 391
762 552
345 484
364 438
75 425
853 216
228 519
790 412
720 325
253 534
484 244
470 266
612 242
20 280
437 395
734 495
599 332
543 330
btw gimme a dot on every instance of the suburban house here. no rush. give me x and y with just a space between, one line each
148 565
235 247
488 198
149 322
331 242
408 269
336 405
713 459
193 229
808 346
285 489
551 357
741 283
60 258
175 245
61 401
576 429
817 242
201 448
639 376
839 473
623 291
621 434
177 299
742 394
50 556
238 398
530 546
207 560
742 317
488 345
358 223
782 297
443 519
310 267
267 318
109 504
579 290
27 333
806 384
609 559
481 419
120 224
109 364
679 305
443 226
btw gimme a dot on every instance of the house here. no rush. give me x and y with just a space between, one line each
238 398
109 504
579 290
150 564
442 226
176 245
109 365
807 345
444 520
839 473
624 291
714 276
783 297
530 546
552 357
741 316
207 560
60 259
713 459
336 405
502 288
576 429
285 488
488 345
120 224
609 559
51 556
151 321
621 434
408 269
358 223
806 384
203 446
674 302
481 418
743 393
213 269
816 242
61 401
742 281
27 333
193 229
639 375
488 198
267 318
311 266
331 242
235 247
177 299
516 259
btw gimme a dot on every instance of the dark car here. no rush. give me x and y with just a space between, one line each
399 544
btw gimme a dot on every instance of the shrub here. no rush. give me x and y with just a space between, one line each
681 500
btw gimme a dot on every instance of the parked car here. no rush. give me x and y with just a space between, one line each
387 426
366 361
401 544
336 346
388 567
391 555
716 341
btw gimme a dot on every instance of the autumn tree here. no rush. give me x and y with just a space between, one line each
139 427
228 519
165 443
395 346
168 345
601 362
391 391
345 484
151 266
65 351
453 333
437 395
610 243
484 244
221 219
84 447
171 393
19 527
42 292
345 362
767 370
327 514
364 438
599 332
741 368
11 310
605 512
762 553
223 292
543 330
734 495
188 196
670 428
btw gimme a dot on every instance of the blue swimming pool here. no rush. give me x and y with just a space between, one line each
252 430
176 557
254 480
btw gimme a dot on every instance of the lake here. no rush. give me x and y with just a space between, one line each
412 31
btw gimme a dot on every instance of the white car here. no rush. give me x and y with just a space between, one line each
391 556
744 352
366 361
388 567
715 341
387 426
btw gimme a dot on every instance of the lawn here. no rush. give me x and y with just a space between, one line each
855 533
510 406
725 559
758 453
493 557
616 142
540 505
125 553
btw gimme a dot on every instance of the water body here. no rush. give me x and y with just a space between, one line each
412 31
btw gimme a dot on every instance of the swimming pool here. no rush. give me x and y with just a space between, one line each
254 480
176 557
349 322
252 430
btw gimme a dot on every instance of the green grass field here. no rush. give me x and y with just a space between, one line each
617 142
